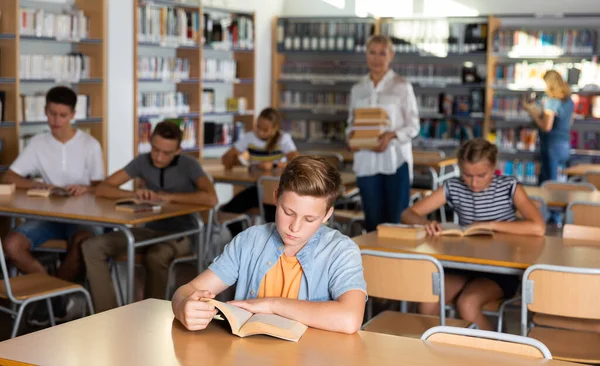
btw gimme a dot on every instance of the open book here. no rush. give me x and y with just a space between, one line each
457 230
47 192
243 323
136 205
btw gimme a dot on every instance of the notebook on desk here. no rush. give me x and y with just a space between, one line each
134 205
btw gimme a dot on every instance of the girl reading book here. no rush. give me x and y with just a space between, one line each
481 199
269 148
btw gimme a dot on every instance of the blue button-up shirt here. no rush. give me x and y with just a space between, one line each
331 263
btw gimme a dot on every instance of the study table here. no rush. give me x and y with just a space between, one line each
581 169
561 199
90 210
145 333
501 253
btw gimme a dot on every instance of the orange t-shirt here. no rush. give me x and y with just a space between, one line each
283 279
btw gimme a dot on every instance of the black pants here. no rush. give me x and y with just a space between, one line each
242 202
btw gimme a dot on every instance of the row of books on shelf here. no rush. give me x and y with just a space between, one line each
584 74
436 36
449 130
547 42
33 108
309 99
232 104
222 133
526 171
341 36
163 68
188 127
316 131
586 140
227 30
72 25
68 68
520 138
219 69
168 26
511 107
335 70
449 104
163 103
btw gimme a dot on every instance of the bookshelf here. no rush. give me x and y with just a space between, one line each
191 72
21 75
518 56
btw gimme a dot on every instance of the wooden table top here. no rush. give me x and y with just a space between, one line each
555 198
245 176
581 169
501 250
145 334
89 208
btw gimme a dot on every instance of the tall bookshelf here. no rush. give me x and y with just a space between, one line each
16 82
231 64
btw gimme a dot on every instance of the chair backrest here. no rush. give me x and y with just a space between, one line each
429 154
5 276
333 158
593 178
583 213
541 205
489 341
581 232
266 189
568 186
404 277
559 290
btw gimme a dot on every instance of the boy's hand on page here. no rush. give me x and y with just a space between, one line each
433 228
146 194
194 313
76 189
256 306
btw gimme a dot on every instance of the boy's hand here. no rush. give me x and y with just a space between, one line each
76 189
433 228
164 196
194 313
256 306
146 194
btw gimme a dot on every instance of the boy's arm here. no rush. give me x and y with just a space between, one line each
343 315
10 177
205 195
110 187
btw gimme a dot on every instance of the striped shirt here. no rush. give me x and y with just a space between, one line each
257 148
495 203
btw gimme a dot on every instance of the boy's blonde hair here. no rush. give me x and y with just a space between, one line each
476 150
311 176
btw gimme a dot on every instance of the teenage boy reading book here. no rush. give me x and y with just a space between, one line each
64 157
296 268
168 177
482 200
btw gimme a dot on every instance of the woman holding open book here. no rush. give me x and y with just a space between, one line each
383 167
481 199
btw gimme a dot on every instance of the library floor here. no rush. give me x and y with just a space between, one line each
512 319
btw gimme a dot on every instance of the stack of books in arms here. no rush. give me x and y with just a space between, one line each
368 124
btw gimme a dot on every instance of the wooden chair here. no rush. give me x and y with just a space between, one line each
489 341
581 232
568 186
334 158
26 289
266 189
565 292
541 205
404 277
429 154
583 213
593 178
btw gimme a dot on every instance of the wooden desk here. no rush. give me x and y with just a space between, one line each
90 210
145 334
502 253
245 176
581 169
561 199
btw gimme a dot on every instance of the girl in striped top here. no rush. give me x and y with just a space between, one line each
479 198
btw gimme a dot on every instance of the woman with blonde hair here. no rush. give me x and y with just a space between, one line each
554 120
384 173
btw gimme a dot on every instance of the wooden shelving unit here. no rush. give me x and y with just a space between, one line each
242 86
12 45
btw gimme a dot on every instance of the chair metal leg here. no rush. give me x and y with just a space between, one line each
369 309
88 300
50 312
117 284
17 322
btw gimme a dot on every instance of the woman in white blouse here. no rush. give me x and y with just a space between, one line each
384 174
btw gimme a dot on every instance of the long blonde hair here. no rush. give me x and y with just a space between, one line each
556 86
